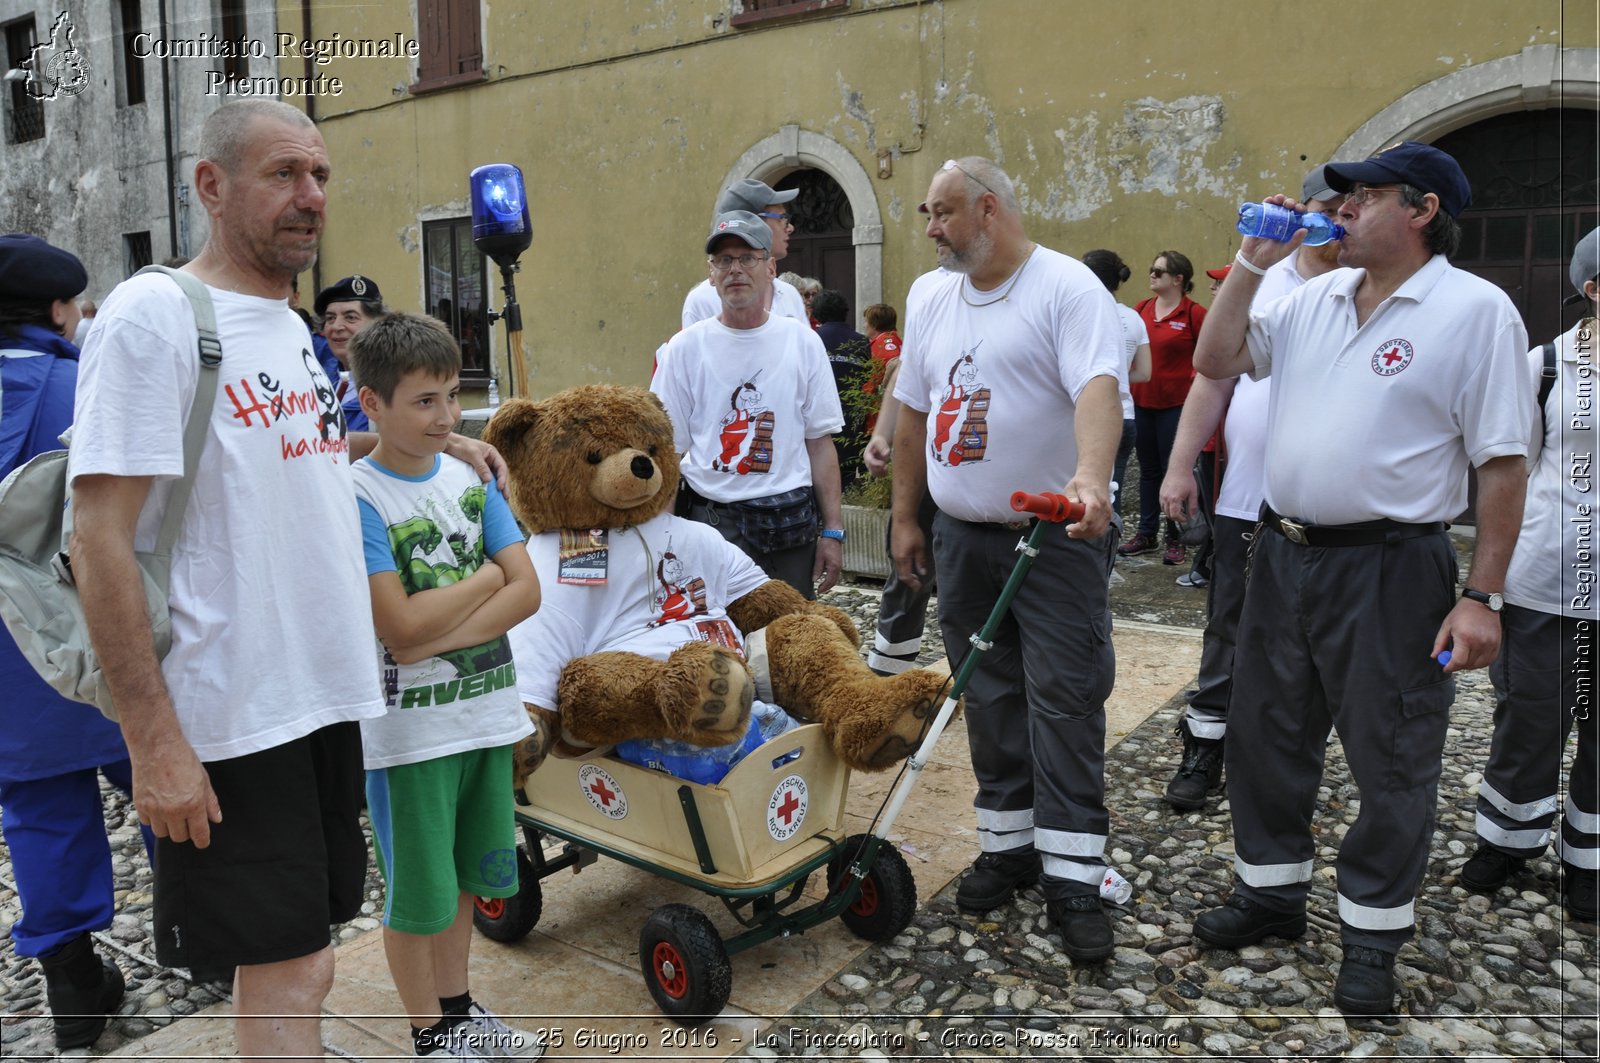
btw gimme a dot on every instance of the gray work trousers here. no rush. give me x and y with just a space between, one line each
903 612
1340 637
1036 719
1208 707
1536 704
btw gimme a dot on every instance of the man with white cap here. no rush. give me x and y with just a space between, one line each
1548 628
754 410
1238 506
760 199
1390 378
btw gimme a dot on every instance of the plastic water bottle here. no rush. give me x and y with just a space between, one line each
494 393
1272 222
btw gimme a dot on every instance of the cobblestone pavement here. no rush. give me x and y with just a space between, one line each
1510 978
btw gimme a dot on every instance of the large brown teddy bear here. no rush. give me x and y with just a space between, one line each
643 614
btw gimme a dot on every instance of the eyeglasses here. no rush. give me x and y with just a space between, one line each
723 263
951 164
1361 195
789 222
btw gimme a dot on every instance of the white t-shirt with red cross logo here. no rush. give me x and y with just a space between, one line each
1382 420
1000 381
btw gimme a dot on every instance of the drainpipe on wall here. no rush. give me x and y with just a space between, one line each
166 130
311 113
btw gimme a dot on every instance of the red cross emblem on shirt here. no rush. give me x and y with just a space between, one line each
1391 357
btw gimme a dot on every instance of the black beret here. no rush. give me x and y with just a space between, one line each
349 289
31 269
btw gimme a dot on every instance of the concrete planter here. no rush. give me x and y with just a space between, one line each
864 532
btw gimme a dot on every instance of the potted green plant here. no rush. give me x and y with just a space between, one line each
866 498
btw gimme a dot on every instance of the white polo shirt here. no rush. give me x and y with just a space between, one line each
703 302
1000 380
1382 420
1554 567
1246 426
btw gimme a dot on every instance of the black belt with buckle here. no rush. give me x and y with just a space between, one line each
1366 533
1005 526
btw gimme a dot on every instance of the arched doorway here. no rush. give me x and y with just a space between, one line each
821 245
793 150
1535 187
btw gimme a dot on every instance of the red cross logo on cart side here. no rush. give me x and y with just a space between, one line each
789 807
599 789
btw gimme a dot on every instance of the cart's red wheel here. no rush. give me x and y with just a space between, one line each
685 964
888 897
867 902
671 972
511 918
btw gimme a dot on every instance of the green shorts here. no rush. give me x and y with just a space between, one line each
441 828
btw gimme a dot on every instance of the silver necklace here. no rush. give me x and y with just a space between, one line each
1003 295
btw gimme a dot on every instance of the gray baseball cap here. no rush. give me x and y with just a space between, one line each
743 225
1585 261
1315 186
752 195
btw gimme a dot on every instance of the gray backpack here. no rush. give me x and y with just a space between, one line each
38 599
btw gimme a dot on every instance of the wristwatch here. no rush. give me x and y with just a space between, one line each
831 533
1494 600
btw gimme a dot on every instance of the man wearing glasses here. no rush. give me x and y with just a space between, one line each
1389 379
758 198
754 410
1017 349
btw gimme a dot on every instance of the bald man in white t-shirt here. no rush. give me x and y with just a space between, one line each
1009 378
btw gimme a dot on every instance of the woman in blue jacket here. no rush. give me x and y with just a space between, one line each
52 750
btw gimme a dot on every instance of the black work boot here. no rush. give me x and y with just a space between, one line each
1199 773
83 990
1084 926
995 877
1578 892
1240 922
1366 982
1488 869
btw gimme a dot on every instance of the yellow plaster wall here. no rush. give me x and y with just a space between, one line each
1136 126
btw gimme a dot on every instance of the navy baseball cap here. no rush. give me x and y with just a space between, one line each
1409 162
349 289
742 225
33 270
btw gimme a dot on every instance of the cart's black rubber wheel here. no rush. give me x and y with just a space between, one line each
888 896
510 918
685 964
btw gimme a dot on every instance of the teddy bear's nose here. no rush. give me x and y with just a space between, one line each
643 467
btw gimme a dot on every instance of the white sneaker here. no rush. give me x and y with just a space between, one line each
484 1034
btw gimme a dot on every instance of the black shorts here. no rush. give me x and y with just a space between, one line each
286 862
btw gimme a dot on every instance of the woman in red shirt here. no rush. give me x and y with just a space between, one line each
1173 321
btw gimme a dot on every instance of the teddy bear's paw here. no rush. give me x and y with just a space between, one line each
706 694
872 741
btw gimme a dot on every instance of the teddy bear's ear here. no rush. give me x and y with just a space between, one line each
515 419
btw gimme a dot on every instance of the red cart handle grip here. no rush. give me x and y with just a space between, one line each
1049 505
